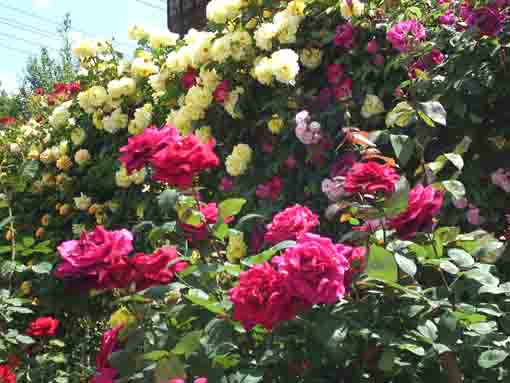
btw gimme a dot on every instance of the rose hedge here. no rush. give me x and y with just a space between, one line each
305 191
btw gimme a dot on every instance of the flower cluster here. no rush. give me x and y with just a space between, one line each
101 260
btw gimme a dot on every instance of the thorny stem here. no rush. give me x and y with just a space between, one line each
13 243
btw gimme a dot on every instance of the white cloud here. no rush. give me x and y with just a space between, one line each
40 3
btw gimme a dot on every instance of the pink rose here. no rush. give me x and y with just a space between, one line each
345 36
189 79
271 189
180 161
290 162
105 375
343 164
424 204
372 47
109 344
303 118
356 256
200 232
263 296
335 72
333 188
460 203
405 35
379 60
315 269
226 185
200 380
290 224
309 134
343 90
371 178
222 91
501 178
448 18
473 216
100 256
140 148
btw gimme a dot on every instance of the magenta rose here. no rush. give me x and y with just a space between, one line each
448 18
371 178
153 269
109 344
405 35
140 148
179 161
345 36
290 224
271 189
343 90
100 256
315 269
356 256
424 204
334 73
343 164
200 232
487 19
222 91
189 79
263 297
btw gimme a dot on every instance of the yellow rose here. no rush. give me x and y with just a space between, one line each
372 106
275 125
64 163
350 8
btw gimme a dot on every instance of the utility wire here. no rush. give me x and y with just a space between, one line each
151 5
25 52
8 35
26 27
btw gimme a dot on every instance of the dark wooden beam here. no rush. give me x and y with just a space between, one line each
185 14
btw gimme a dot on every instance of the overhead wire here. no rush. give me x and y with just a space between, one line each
14 37
9 47
151 5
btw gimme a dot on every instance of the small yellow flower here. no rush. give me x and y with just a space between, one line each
64 163
122 317
275 125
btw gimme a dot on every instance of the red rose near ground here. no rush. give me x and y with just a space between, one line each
43 327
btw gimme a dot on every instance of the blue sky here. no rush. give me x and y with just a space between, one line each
98 18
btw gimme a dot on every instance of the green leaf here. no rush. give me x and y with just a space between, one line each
403 147
268 254
167 200
434 110
406 265
449 267
221 231
30 170
428 330
231 207
461 257
42 268
188 344
5 222
27 241
169 368
381 264
25 339
455 159
201 298
387 361
401 115
491 358
398 201
248 218
456 188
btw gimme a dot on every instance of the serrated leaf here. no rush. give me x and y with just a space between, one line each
491 358
403 146
231 207
381 264
406 265
267 254
434 110
461 257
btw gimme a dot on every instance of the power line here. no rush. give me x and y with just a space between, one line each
26 27
26 41
48 20
151 5
25 52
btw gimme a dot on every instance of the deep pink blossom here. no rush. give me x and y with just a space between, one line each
100 256
423 205
371 178
356 256
109 344
501 178
315 269
343 164
181 160
405 35
189 79
105 375
379 60
263 296
222 91
290 224
271 189
372 47
153 269
344 37
226 184
200 232
343 90
140 148
448 18
335 72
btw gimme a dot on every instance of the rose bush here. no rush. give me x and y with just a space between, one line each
303 191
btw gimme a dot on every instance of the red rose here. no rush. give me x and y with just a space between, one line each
189 79
200 232
343 90
44 326
105 375
263 297
181 160
424 204
7 120
6 374
334 73
142 147
371 178
290 224
357 261
153 269
222 91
